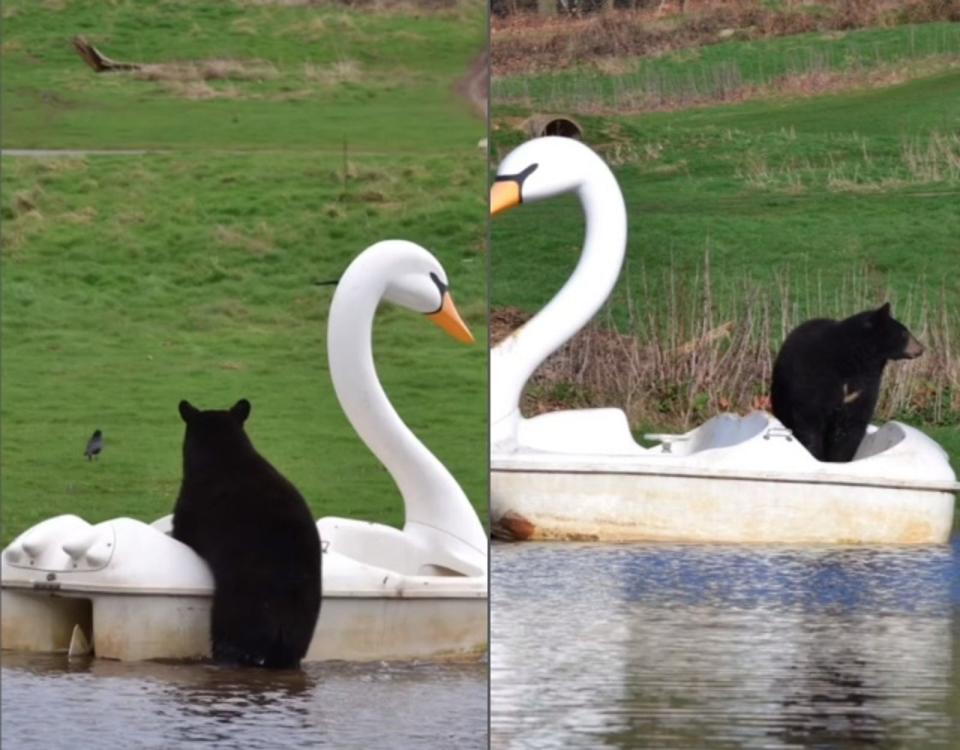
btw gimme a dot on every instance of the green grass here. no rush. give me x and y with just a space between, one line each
724 70
131 283
814 187
821 191
292 137
315 76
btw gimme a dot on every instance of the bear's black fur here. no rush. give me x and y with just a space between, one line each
826 378
255 531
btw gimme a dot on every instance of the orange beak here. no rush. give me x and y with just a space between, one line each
450 321
504 195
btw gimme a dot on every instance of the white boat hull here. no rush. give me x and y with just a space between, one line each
733 480
133 627
609 507
135 593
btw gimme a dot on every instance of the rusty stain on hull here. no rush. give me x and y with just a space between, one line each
513 527
612 508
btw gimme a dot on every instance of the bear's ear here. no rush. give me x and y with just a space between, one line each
187 411
884 311
240 410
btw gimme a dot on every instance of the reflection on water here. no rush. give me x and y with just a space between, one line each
50 702
682 646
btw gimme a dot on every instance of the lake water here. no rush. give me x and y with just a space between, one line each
49 702
683 646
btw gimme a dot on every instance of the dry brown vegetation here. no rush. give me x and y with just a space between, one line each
473 85
678 363
929 161
208 70
405 7
191 79
524 43
341 71
259 242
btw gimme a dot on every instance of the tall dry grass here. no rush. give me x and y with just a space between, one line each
723 83
933 159
690 349
525 42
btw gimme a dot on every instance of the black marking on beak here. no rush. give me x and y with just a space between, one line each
518 178
443 290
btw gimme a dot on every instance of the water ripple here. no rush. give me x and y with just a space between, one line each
687 646
51 702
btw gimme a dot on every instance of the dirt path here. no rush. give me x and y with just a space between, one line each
54 153
59 153
473 85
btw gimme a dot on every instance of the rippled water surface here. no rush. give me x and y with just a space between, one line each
713 646
48 702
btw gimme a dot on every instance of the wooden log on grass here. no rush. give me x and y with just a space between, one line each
98 61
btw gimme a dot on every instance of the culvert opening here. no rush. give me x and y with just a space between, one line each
564 127
567 127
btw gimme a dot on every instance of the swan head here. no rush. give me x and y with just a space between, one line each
414 280
543 168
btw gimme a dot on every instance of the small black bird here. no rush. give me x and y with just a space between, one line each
94 445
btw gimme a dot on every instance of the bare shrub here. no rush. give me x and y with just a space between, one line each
687 353
527 42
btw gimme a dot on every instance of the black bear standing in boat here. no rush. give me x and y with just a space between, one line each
826 378
255 531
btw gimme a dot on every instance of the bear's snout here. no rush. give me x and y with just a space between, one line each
914 349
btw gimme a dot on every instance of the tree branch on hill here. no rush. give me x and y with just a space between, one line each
98 61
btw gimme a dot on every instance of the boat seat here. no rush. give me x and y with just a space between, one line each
582 431
371 544
877 440
727 430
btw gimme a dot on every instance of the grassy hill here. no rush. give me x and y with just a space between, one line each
737 70
131 282
229 75
746 219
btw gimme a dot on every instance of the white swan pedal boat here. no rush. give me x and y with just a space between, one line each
124 589
580 475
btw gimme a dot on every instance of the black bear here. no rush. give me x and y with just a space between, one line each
255 531
826 378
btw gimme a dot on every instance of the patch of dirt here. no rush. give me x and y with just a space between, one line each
208 70
504 321
474 85
82 216
260 243
408 7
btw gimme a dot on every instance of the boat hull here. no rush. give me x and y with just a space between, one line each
624 507
123 589
134 627
732 480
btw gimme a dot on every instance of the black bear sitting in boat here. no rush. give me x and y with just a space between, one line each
826 378
255 531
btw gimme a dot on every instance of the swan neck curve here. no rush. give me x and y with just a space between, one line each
437 512
516 358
